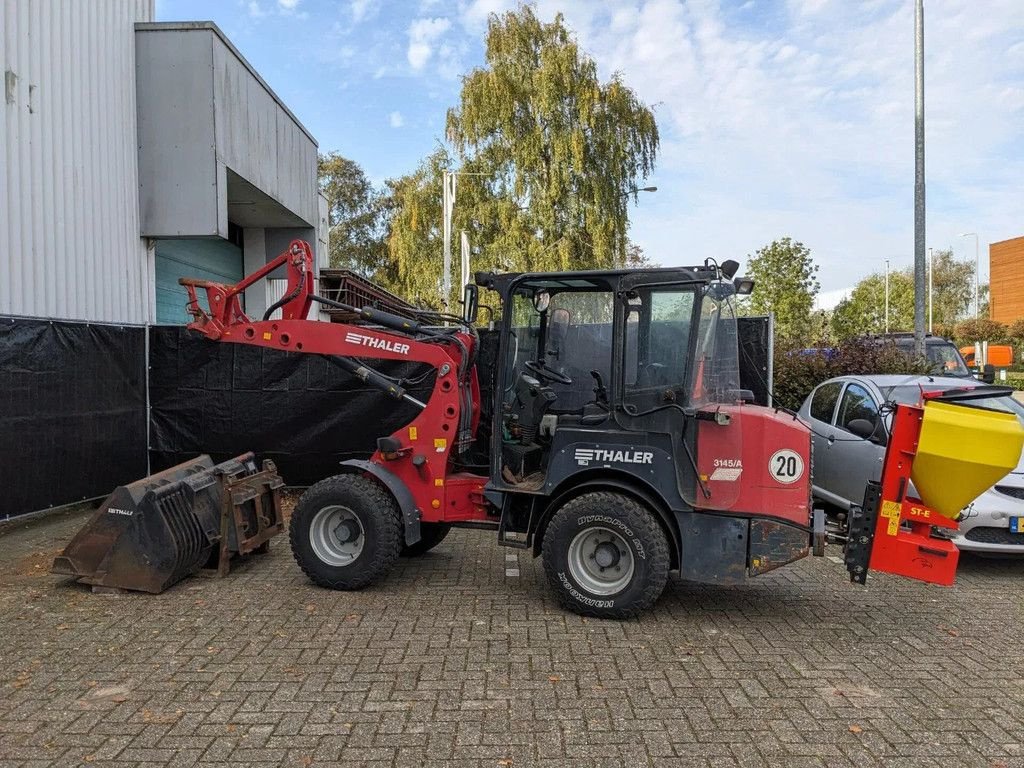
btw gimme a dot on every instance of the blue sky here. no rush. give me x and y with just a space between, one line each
783 117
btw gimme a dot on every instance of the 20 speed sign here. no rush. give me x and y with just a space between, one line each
786 466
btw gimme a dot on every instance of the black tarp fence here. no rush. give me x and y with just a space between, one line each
298 409
72 411
73 405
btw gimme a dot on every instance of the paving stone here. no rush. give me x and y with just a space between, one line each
449 662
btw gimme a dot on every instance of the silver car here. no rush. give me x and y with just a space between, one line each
843 460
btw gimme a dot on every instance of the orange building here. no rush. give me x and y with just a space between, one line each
1006 280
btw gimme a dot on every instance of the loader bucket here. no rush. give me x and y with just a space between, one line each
156 531
961 452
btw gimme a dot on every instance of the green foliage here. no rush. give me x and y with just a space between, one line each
413 234
550 154
952 286
980 329
1013 379
785 283
355 215
1015 331
796 374
864 311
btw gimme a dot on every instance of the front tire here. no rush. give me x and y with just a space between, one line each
605 555
346 532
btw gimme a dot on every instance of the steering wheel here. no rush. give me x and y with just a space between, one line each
543 372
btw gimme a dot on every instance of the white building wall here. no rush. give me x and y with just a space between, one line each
69 219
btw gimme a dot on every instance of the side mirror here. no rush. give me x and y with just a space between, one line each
541 301
861 428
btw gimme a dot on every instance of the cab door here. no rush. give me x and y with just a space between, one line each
659 325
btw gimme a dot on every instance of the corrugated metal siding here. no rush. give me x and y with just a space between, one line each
275 292
69 224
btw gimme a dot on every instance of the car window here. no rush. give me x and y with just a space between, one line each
856 404
823 404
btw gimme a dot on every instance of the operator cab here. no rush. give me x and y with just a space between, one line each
606 353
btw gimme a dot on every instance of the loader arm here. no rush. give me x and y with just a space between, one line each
419 453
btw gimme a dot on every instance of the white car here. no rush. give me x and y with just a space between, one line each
844 461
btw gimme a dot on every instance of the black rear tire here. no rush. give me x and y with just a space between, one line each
346 532
431 534
606 555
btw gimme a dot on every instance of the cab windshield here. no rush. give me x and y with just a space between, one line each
717 374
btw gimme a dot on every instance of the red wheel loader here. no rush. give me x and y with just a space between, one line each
608 434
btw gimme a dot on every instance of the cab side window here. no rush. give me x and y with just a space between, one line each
856 404
823 404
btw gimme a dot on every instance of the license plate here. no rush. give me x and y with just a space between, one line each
1017 525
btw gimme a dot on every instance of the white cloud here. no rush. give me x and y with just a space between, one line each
474 13
361 10
255 10
395 119
422 35
288 5
830 299
799 121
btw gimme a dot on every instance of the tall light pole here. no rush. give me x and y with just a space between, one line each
919 210
977 273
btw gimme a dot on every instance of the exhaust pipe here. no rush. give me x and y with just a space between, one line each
154 532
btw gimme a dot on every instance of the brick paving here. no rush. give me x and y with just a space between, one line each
454 662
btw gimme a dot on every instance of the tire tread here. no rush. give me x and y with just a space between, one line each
651 532
371 495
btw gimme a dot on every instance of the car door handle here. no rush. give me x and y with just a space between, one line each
831 439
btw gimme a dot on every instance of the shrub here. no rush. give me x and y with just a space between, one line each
979 329
1015 330
1013 379
797 372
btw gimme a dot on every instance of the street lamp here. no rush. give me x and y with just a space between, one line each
977 272
634 190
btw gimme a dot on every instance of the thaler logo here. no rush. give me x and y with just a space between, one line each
377 343
586 455
116 511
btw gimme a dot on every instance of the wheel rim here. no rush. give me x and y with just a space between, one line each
601 561
337 536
